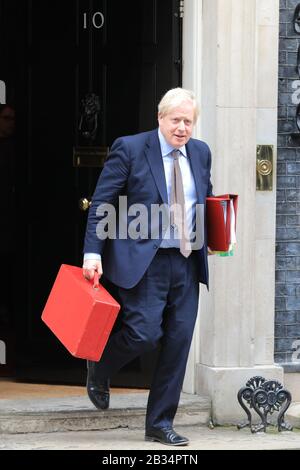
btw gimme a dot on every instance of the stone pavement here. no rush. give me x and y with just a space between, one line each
72 423
201 437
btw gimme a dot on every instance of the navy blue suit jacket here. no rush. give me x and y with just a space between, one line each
135 168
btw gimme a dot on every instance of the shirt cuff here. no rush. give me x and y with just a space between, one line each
95 256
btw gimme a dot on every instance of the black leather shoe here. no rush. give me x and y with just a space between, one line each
97 388
166 436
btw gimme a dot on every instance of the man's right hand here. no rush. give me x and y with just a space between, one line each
90 266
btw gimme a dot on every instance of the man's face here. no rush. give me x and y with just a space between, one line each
177 125
7 122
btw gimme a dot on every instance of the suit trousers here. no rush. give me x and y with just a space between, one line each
162 307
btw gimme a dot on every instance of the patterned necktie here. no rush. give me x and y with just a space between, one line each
178 212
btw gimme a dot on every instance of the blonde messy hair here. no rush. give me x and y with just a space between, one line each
174 98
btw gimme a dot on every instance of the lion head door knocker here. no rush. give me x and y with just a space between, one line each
88 123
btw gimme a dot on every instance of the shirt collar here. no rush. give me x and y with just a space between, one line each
166 148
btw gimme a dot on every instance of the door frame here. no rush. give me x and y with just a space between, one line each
192 79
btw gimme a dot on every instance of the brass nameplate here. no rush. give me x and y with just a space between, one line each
89 157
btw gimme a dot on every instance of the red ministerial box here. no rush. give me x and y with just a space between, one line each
218 217
79 315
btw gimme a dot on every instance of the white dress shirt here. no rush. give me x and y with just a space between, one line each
190 194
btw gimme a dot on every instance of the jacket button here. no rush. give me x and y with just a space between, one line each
155 247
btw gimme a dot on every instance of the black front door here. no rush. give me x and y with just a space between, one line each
81 73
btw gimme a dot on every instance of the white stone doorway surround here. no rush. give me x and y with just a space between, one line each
230 59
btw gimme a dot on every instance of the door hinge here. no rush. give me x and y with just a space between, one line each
181 8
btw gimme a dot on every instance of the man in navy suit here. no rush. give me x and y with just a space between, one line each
155 261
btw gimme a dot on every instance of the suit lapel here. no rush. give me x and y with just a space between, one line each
154 157
193 154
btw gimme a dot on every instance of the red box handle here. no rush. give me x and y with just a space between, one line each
96 281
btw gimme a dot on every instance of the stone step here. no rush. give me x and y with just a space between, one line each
78 413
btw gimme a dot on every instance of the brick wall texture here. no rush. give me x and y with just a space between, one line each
287 302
